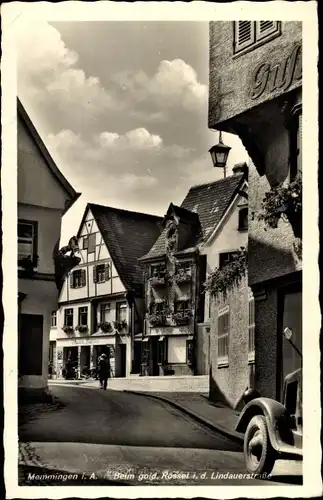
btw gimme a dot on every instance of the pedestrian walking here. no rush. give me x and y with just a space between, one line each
104 370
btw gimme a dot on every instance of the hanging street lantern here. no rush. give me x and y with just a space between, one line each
219 154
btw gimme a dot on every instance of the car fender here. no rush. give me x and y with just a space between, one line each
277 419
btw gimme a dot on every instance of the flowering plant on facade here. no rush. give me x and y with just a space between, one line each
181 275
68 329
183 317
105 326
157 318
120 325
157 280
222 281
284 203
82 328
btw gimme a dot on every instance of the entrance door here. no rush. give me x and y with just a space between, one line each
122 354
154 356
136 357
30 348
292 318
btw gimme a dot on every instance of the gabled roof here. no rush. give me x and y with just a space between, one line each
212 200
45 154
127 235
207 204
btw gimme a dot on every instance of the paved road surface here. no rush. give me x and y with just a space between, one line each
115 435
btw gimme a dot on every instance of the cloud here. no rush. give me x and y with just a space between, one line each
175 83
138 139
48 72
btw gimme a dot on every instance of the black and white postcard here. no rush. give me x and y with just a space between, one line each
159 179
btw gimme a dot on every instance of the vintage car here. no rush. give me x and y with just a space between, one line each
273 430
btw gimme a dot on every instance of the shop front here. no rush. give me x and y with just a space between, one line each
168 351
78 357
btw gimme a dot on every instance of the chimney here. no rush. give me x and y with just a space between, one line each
240 168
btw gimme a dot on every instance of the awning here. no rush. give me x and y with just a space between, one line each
161 338
145 340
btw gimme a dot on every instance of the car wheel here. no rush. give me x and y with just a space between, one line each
259 455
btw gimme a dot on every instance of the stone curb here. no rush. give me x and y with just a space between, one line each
235 436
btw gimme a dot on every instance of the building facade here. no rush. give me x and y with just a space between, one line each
204 229
101 301
256 93
44 195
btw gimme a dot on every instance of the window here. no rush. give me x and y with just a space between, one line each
250 34
89 243
295 144
251 344
83 316
122 309
225 258
68 317
243 219
106 312
157 271
54 319
181 306
78 278
101 273
27 239
184 266
223 337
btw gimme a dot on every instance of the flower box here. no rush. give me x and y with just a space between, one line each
69 330
82 329
157 319
120 325
182 276
158 280
105 327
182 318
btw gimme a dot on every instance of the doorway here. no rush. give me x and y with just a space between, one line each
122 359
154 356
291 317
30 345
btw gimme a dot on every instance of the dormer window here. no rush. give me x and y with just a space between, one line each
158 271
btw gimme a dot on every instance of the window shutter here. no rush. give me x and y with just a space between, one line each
244 35
83 277
72 285
107 271
95 277
85 242
265 28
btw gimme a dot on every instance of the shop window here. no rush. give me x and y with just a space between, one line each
243 219
223 337
27 239
295 144
225 258
78 278
54 319
251 342
122 309
101 273
68 317
250 34
106 312
83 312
89 243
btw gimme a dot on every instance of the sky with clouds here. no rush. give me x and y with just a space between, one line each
122 107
